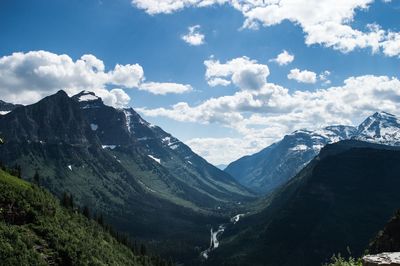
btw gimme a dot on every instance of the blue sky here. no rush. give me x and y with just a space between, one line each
140 32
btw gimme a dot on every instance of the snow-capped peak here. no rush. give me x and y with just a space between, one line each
380 127
308 140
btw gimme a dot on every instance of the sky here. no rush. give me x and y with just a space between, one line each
227 77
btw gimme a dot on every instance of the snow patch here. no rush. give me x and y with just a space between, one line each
70 167
318 147
4 112
108 146
174 147
128 119
300 147
155 159
94 127
166 140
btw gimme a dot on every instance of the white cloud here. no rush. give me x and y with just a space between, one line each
324 77
283 58
117 98
325 22
28 77
263 116
128 76
194 37
164 88
224 150
153 7
391 46
242 72
303 76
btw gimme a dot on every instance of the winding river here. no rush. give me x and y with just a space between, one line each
215 236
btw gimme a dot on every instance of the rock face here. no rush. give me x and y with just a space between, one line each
383 259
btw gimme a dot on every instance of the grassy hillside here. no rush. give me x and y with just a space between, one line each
36 230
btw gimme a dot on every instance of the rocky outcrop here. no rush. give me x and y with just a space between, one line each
383 259
388 240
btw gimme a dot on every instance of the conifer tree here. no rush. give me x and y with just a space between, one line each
36 178
86 212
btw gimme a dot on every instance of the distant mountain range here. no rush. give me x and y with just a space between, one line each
339 201
146 182
273 166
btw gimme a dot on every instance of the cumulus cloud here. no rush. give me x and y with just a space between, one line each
303 76
163 88
243 72
153 7
28 77
283 58
129 76
224 150
194 37
324 77
325 22
263 116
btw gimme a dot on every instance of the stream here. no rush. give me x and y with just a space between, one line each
215 236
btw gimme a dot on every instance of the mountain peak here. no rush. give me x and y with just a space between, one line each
381 127
6 107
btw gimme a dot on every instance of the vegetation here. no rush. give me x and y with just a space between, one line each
340 261
36 230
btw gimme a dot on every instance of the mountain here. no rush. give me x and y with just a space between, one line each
145 182
340 200
381 128
36 230
185 176
273 166
7 107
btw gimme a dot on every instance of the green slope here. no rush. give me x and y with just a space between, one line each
36 230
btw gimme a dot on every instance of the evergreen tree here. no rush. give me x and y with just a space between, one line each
143 250
65 200
71 202
36 178
100 220
86 211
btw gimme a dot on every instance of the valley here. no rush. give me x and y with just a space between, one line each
151 187
199 133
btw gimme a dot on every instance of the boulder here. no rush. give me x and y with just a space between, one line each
382 259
